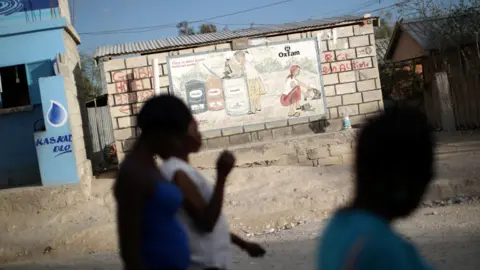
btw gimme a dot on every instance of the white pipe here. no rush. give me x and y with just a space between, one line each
156 77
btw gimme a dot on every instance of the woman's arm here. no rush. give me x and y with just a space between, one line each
205 214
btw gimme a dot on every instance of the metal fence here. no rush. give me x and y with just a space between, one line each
101 130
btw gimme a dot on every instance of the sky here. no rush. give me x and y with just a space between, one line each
94 16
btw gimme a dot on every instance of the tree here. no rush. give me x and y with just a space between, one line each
185 30
207 28
385 28
90 77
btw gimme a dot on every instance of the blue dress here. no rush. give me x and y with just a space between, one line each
164 241
359 240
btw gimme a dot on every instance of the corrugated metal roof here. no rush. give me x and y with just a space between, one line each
182 41
381 46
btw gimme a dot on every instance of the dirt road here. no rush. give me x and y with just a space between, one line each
448 236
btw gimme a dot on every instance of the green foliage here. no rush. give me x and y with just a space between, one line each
185 30
385 28
90 77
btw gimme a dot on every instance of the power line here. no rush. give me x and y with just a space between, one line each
156 27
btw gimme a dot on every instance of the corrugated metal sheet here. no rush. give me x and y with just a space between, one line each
101 131
381 47
181 41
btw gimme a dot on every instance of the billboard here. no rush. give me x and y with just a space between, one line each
256 85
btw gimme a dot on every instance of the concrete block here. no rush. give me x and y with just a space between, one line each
340 44
220 142
142 72
328 161
185 51
362 63
208 134
223 46
294 36
232 131
302 129
122 75
333 113
341 66
326 57
349 76
138 61
264 135
164 81
358 119
354 98
316 153
330 79
123 134
372 95
119 111
348 109
323 46
345 88
209 48
378 83
369 107
107 76
358 41
254 127
329 90
276 124
366 85
348 159
139 85
128 145
340 149
334 101
282 132
114 64
240 139
344 31
128 121
363 29
334 125
365 51
164 69
162 58
342 55
366 74
297 120
119 145
278 38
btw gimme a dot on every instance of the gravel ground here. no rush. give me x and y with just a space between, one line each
449 236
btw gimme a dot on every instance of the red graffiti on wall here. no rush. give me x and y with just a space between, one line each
336 68
328 57
360 64
143 72
136 97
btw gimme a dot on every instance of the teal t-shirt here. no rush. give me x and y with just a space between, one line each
359 240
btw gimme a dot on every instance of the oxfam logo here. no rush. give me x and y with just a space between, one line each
8 7
57 114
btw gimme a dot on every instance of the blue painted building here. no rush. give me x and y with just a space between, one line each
41 119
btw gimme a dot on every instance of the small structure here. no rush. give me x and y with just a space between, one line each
243 85
41 114
450 67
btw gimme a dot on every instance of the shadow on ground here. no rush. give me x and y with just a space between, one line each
460 253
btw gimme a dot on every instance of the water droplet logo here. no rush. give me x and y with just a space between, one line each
57 114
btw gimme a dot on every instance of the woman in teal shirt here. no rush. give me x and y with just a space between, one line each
394 166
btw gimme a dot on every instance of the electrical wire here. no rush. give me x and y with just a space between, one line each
156 27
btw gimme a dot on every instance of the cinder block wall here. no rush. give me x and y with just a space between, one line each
77 112
350 77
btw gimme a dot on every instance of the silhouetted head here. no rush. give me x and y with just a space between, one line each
168 127
394 162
